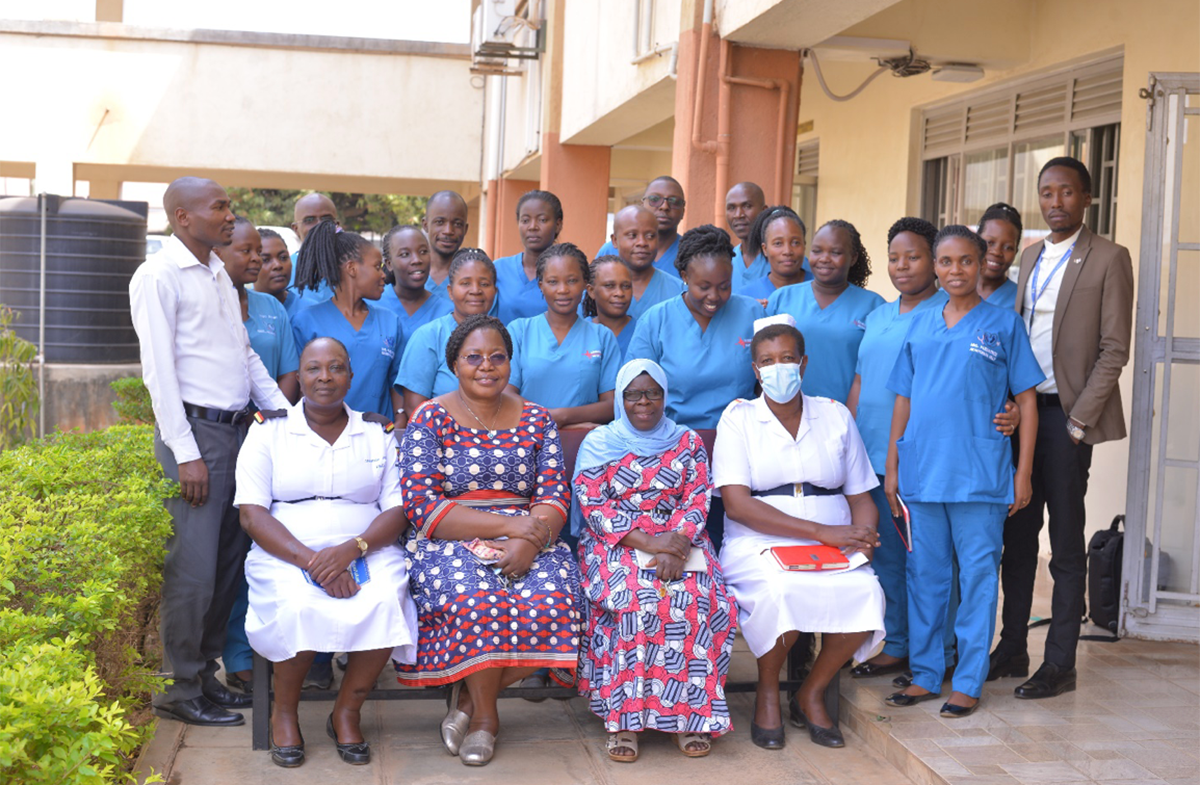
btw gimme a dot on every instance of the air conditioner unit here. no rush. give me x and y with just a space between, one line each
501 30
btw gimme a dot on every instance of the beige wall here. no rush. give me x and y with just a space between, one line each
401 121
868 146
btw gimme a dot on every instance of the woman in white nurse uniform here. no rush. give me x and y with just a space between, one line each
318 488
792 470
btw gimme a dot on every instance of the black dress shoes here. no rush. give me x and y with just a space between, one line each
826 737
356 753
767 738
902 701
199 711
867 669
1049 681
954 711
288 757
1002 664
219 694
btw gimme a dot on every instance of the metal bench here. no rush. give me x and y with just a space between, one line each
797 665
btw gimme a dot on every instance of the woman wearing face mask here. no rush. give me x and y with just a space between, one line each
792 470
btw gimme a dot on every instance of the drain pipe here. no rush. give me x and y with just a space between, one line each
724 132
698 105
42 322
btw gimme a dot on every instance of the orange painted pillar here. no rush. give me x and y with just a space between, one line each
506 194
746 126
578 176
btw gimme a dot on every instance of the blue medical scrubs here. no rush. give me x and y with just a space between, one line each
886 328
744 276
665 263
831 334
423 369
1005 296
661 287
761 289
270 333
442 288
706 370
519 297
374 350
573 373
437 305
956 475
624 338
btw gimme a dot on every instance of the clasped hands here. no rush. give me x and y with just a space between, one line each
670 551
330 568
527 535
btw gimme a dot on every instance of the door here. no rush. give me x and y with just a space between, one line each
1161 583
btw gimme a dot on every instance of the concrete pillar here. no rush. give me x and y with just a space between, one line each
578 176
506 193
474 225
739 124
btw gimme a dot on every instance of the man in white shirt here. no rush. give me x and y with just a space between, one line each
201 374
1075 293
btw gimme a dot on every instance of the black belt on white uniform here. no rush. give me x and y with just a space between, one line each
306 499
218 415
799 489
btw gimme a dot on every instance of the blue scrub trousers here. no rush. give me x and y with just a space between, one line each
237 654
974 533
890 564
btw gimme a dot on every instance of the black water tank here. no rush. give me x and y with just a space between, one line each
92 249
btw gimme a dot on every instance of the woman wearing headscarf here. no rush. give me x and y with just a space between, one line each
660 623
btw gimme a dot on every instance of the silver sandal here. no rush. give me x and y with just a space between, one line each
454 725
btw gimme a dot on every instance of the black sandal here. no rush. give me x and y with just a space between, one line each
356 753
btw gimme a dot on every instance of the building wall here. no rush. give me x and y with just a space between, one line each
869 172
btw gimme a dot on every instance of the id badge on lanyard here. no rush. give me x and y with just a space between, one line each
1035 292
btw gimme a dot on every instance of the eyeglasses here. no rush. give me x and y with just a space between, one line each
633 396
654 200
476 360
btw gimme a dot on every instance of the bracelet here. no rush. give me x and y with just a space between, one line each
549 536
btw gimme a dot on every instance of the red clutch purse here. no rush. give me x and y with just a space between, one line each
809 558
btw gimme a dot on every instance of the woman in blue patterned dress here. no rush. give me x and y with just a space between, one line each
486 491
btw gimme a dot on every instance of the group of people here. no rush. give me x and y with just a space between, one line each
405 495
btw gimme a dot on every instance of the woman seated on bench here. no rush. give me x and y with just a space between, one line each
318 487
660 623
792 470
486 489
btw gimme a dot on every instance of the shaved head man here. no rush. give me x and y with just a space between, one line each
635 239
445 224
663 197
202 375
311 210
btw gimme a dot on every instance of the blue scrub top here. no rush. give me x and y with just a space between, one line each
831 335
437 305
744 276
270 333
308 297
957 380
762 289
624 338
374 350
662 287
519 296
886 328
705 370
572 373
665 263
423 369
1005 296
439 288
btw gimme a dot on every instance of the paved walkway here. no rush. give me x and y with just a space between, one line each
1135 720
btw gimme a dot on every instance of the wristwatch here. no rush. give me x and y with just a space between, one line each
1075 431
362 545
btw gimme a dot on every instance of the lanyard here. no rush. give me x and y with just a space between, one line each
1036 292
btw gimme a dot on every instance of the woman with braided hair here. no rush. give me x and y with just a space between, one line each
1000 227
353 268
406 270
778 235
831 309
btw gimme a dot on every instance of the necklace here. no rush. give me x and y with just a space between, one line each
491 431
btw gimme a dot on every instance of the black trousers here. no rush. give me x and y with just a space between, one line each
1060 477
204 563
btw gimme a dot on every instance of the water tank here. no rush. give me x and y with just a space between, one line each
92 249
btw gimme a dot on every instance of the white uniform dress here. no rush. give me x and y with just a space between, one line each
282 459
753 449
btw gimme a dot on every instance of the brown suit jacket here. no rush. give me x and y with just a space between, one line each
1093 321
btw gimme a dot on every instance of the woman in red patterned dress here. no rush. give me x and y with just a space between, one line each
486 491
660 623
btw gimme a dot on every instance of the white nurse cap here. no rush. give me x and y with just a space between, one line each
780 318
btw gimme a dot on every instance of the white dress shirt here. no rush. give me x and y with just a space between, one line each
194 346
1040 321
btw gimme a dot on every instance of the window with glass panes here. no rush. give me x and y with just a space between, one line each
989 147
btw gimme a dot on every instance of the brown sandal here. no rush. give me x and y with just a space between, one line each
622 740
684 739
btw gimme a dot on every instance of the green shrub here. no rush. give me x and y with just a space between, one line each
82 534
18 385
133 401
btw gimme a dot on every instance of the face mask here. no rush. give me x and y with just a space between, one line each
781 382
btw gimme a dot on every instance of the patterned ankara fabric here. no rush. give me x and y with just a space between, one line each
470 616
655 655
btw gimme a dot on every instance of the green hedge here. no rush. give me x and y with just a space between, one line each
82 534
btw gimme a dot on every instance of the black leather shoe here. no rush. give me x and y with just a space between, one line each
767 738
356 753
903 681
199 711
953 712
1049 681
826 737
865 670
1002 664
902 701
219 694
238 683
288 757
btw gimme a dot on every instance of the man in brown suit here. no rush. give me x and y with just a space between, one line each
1075 293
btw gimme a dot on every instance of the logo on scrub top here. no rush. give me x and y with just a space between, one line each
743 342
389 346
595 354
860 324
986 345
